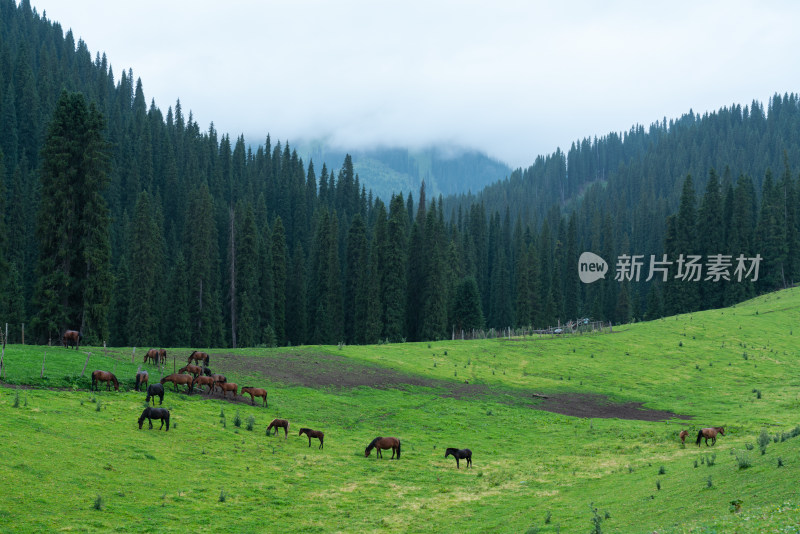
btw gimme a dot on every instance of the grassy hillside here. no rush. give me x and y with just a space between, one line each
67 451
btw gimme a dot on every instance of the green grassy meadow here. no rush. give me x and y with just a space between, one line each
75 460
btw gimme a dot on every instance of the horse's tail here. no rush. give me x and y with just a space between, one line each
398 449
138 381
167 418
116 383
699 437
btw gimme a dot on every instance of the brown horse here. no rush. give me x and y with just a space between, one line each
217 378
312 434
204 381
255 392
683 435
142 378
71 337
383 443
151 354
191 369
162 356
104 376
279 423
226 387
179 379
710 433
198 357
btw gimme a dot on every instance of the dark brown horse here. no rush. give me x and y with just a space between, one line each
204 381
153 391
191 369
104 376
217 378
226 387
142 378
383 443
151 354
179 379
313 434
683 435
279 423
198 357
154 413
254 392
71 338
162 356
710 433
459 454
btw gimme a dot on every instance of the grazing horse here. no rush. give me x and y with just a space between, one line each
312 434
151 354
191 369
459 454
176 379
254 392
71 337
710 433
683 435
228 386
106 377
154 413
154 390
204 381
198 357
383 443
162 356
279 423
218 378
142 378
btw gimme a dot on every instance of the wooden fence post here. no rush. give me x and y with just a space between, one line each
86 363
133 354
43 360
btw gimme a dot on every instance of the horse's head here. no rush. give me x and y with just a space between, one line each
366 452
721 430
142 417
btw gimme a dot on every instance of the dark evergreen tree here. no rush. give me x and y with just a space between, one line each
279 277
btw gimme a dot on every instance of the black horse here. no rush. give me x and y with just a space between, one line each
152 391
460 454
154 413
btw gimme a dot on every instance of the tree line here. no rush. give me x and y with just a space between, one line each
142 229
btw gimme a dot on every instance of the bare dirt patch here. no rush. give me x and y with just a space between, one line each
320 370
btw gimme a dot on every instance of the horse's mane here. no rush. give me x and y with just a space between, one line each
373 442
114 378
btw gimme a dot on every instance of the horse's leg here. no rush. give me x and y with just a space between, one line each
151 423
285 432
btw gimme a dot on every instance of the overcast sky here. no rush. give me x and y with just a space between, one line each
514 79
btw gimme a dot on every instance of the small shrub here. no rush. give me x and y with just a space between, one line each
98 503
708 482
548 517
763 440
711 460
445 353
743 460
99 407
222 496
780 461
237 421
695 463
658 484
758 394
749 446
251 422
222 413
16 400
597 521
662 470
680 343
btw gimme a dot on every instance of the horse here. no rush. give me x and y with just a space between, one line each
142 378
312 434
279 423
459 454
106 377
226 387
383 443
154 413
151 354
176 379
198 357
683 435
71 337
192 369
710 433
154 390
162 356
217 378
254 392
204 381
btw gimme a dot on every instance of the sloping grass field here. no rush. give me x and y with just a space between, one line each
75 460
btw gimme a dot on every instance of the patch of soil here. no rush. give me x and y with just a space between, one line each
318 370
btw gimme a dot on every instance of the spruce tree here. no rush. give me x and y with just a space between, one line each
279 276
394 284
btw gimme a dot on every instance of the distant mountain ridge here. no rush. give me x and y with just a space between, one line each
446 170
